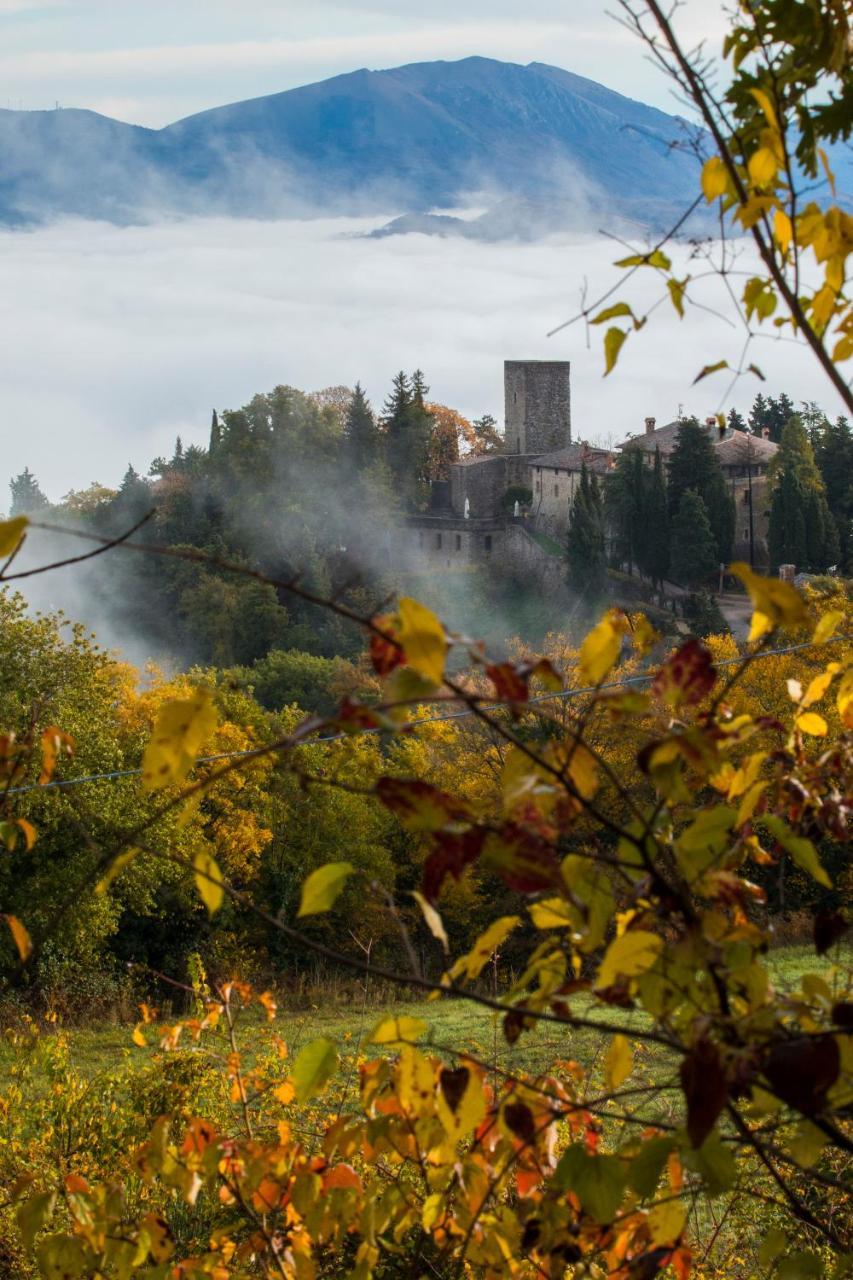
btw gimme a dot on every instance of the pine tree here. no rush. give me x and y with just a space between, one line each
656 562
693 548
27 497
407 427
758 415
585 551
736 421
361 435
693 464
620 505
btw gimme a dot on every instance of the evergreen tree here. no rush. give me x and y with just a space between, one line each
758 415
833 449
736 421
361 436
693 549
585 551
488 438
787 531
625 492
772 414
693 464
27 497
215 435
819 547
408 426
656 515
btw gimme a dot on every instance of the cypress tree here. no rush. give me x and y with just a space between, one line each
820 544
585 552
787 532
833 450
656 565
693 551
215 435
693 464
625 490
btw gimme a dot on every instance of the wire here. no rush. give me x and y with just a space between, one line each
563 696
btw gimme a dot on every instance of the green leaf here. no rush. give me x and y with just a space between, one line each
208 879
597 1181
321 889
62 1258
628 956
313 1068
613 340
773 1244
799 1266
402 1030
801 850
714 1163
657 258
33 1214
646 1168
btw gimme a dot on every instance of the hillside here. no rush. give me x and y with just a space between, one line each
400 141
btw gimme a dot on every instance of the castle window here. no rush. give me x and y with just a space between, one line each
488 542
438 541
459 542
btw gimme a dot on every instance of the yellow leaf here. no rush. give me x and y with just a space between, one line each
767 107
432 919
415 1082
550 913
138 1038
208 879
613 340
423 639
322 888
811 722
11 533
618 1062
600 649
484 948
666 1222
115 869
715 179
20 937
749 802
182 727
400 1030
844 699
819 685
827 626
284 1092
776 603
460 1102
782 229
629 956
762 166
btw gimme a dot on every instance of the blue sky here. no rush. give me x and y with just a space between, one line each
153 61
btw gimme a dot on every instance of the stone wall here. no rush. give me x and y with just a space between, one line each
432 544
553 496
483 482
537 405
524 557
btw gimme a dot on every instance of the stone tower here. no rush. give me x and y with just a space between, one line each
537 406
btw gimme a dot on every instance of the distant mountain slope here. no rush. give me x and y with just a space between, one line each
404 141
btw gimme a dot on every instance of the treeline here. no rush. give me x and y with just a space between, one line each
294 485
675 520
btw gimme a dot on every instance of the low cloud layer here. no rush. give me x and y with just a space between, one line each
116 340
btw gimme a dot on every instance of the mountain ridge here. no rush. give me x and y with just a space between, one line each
404 140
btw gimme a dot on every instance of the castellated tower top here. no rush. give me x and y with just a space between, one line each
537 406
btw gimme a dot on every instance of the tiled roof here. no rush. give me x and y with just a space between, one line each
662 438
741 448
572 458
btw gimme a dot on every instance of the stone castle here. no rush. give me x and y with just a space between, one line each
513 507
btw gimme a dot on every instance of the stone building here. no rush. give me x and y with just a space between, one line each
556 478
745 460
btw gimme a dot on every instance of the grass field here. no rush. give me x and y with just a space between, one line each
454 1025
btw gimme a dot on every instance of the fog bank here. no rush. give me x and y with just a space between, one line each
118 339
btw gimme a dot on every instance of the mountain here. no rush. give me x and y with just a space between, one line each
405 141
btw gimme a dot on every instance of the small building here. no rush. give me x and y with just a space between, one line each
745 460
556 478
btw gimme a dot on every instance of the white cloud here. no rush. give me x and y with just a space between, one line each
116 340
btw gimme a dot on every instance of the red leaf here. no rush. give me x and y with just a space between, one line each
829 926
420 806
385 651
802 1070
519 1120
705 1089
524 861
687 676
454 1082
453 853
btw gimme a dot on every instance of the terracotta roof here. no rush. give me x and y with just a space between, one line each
741 447
662 438
476 459
572 458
